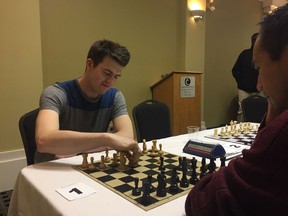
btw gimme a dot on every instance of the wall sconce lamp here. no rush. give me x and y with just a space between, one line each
197 14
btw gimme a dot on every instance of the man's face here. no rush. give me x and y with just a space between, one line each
104 75
273 76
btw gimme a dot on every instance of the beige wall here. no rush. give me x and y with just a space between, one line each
159 34
228 32
20 66
148 28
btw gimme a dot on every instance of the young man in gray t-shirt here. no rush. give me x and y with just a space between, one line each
74 115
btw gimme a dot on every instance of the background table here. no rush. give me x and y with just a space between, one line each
34 192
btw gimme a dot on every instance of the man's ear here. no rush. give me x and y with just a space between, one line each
89 64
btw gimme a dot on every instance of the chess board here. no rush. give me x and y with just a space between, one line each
243 139
122 182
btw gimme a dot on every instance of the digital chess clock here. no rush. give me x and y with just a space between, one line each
202 149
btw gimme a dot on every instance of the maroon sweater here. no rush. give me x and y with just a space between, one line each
255 184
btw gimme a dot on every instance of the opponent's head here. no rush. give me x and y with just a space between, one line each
270 56
274 32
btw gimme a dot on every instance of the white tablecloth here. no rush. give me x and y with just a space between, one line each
34 192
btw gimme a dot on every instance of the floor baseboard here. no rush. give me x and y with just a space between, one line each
11 162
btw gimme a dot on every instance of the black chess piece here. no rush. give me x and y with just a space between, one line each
146 198
174 188
194 177
179 167
212 165
184 162
184 181
223 160
163 173
151 188
161 188
203 168
161 166
136 191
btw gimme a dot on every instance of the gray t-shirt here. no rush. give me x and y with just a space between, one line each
77 112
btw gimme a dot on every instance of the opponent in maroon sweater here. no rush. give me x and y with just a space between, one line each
257 183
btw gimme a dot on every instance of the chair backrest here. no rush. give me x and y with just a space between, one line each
151 120
27 129
254 107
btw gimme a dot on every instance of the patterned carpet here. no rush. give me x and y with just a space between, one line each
4 202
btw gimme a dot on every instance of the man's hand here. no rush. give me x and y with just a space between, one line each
129 146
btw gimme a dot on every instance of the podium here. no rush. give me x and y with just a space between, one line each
181 91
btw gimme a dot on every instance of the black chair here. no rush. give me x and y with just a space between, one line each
254 107
151 120
27 129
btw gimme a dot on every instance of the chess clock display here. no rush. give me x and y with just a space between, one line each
202 149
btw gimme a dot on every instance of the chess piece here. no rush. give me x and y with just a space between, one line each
107 158
246 131
174 182
241 128
184 162
154 143
91 165
215 132
193 178
136 191
237 133
153 152
146 198
160 152
85 161
161 167
184 181
203 168
144 150
163 173
118 156
151 188
123 160
212 165
222 132
161 188
179 167
102 164
114 161
223 160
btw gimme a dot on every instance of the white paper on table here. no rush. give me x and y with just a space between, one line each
75 191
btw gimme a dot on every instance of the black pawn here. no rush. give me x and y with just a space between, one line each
161 166
161 188
193 178
151 188
212 165
146 198
184 162
203 168
136 191
174 182
223 160
180 163
184 181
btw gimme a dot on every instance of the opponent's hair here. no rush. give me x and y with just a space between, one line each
274 32
102 48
